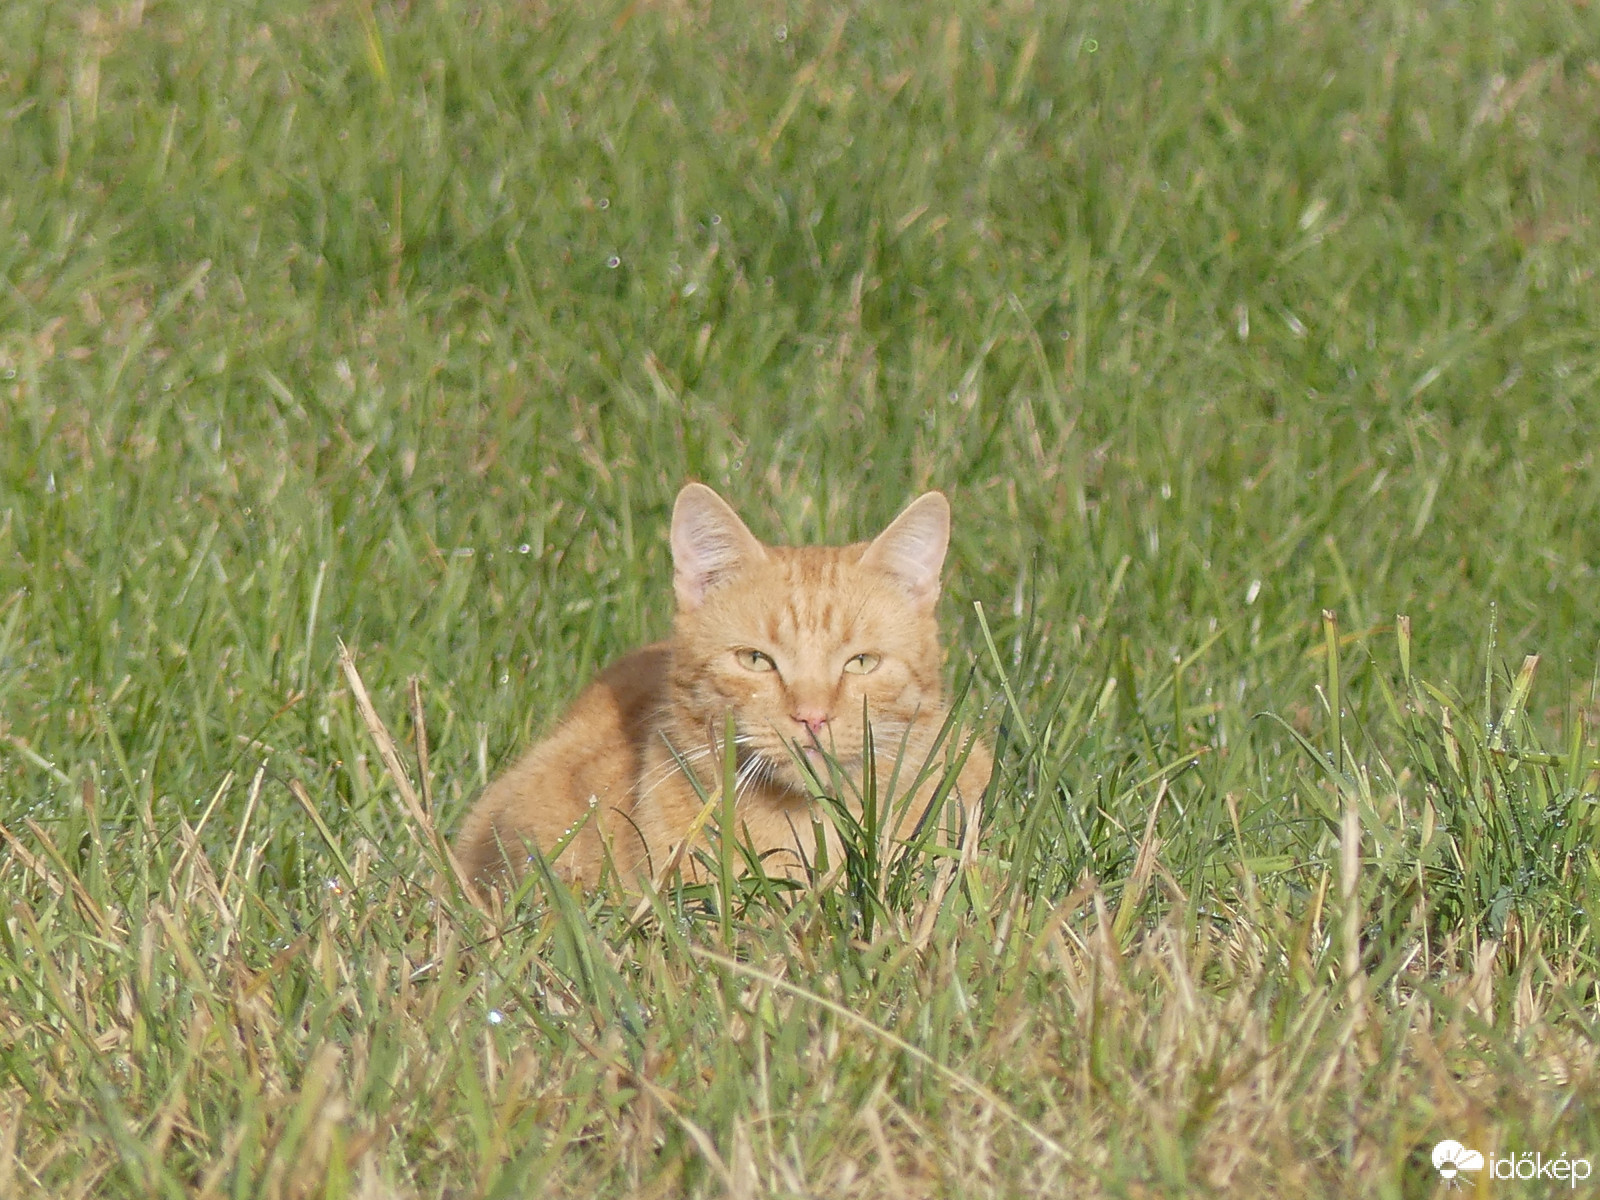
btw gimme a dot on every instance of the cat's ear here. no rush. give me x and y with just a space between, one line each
709 543
912 548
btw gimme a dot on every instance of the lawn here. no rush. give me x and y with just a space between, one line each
1257 347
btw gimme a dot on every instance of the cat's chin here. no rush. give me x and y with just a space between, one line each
808 769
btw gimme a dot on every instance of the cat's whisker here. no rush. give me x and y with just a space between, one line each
759 771
667 771
748 775
652 779
656 774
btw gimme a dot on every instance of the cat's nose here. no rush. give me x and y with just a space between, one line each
814 719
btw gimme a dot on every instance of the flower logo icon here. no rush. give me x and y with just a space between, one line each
1452 1157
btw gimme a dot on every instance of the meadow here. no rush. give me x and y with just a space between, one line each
1256 346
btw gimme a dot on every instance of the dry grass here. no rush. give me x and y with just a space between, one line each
398 1037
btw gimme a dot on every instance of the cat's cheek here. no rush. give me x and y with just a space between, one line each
885 686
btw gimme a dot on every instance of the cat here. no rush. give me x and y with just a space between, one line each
792 642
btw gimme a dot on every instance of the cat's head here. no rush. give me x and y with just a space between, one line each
796 642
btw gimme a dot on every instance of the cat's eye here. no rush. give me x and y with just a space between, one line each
754 660
861 664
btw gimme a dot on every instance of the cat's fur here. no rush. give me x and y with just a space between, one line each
792 642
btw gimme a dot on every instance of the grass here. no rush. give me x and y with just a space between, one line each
1234 333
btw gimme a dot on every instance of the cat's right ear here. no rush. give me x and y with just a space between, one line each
912 549
709 544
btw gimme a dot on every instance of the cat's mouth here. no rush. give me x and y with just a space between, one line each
796 766
817 762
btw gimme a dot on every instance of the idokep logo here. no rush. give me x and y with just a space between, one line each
1451 1158
1532 1165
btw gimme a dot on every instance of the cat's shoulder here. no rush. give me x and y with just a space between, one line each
634 683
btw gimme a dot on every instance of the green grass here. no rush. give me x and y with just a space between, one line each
401 325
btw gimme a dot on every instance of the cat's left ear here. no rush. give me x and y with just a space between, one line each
912 549
709 544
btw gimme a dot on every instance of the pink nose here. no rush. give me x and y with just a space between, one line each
814 719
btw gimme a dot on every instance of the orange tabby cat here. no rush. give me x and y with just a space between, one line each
792 642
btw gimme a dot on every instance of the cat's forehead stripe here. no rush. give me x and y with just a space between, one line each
814 600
